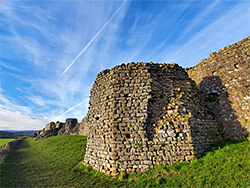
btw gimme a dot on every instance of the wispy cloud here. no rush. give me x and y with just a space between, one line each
95 36
72 108
198 19
5 65
44 52
16 121
17 117
223 31
39 40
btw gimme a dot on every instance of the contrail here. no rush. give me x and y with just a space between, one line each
96 35
74 107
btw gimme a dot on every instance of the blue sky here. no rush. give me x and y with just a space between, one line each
52 50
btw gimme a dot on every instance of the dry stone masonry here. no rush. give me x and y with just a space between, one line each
70 127
146 114
224 81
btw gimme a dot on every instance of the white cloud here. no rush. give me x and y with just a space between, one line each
51 46
45 60
37 100
17 121
17 117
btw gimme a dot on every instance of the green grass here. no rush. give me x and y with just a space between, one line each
5 140
227 164
42 163
56 162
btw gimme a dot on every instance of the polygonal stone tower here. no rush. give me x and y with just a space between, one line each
146 114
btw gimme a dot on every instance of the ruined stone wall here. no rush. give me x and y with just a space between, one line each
146 114
6 147
70 127
224 81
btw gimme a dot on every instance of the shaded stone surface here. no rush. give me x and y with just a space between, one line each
224 82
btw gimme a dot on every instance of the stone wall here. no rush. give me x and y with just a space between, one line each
70 127
6 147
146 114
83 127
224 81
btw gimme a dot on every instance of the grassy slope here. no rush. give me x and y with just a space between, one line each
55 162
226 165
43 163
5 140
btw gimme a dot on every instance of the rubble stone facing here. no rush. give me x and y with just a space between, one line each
146 114
70 127
83 127
224 81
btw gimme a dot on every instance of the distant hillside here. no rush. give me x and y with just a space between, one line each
11 133
4 134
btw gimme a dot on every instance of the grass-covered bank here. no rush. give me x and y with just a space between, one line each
44 163
227 164
55 162
5 140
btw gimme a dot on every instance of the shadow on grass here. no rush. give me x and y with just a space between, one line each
11 167
219 145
